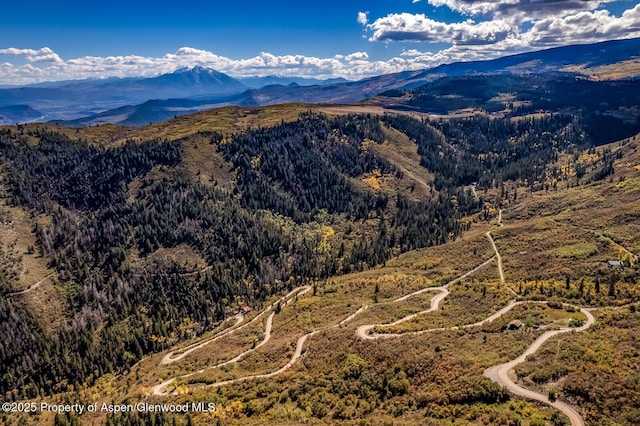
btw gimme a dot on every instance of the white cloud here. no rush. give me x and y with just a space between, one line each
470 7
552 23
43 55
411 52
519 10
363 19
584 27
354 65
357 56
418 27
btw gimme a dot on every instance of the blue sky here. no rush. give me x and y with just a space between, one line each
43 41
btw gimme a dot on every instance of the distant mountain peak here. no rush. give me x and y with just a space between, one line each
205 80
196 69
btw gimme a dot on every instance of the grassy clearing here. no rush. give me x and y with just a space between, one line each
203 163
18 235
403 154
446 262
182 255
23 266
536 315
581 250
227 120
607 207
542 248
621 70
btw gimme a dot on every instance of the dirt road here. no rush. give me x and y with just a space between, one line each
500 373
363 332
170 357
497 373
30 288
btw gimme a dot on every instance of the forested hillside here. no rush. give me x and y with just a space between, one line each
298 211
261 238
607 109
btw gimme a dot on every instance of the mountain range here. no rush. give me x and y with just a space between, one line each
140 101
260 82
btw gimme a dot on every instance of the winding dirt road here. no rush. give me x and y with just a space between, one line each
497 373
296 355
170 357
363 332
498 257
160 390
500 373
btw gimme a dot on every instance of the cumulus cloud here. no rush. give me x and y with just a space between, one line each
418 27
471 7
352 66
363 19
497 27
585 27
43 55
357 56
411 52
522 10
